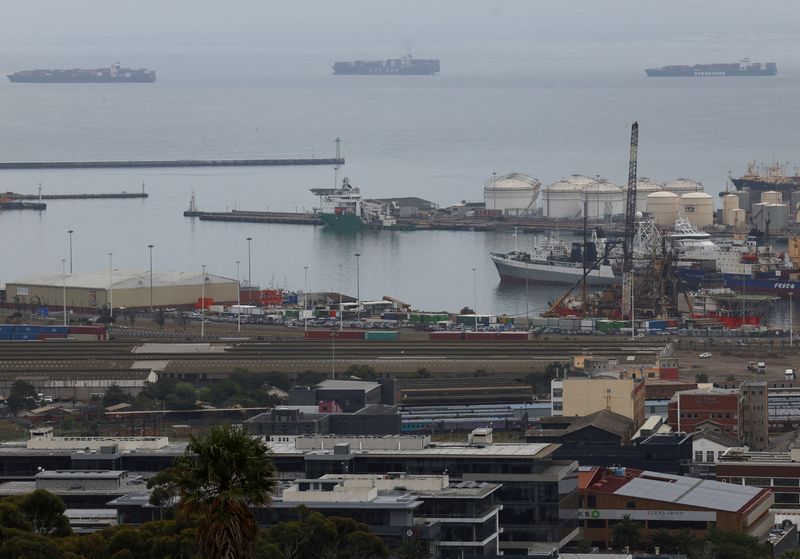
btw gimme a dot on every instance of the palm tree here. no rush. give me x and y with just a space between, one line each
220 476
626 533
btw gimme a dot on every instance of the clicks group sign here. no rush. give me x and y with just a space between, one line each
614 514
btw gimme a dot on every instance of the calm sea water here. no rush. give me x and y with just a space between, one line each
546 110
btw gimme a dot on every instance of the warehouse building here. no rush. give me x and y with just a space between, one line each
88 293
668 502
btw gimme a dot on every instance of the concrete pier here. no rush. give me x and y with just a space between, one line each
176 163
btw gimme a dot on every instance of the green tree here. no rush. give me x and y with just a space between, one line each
219 478
736 545
182 397
115 395
45 512
700 378
29 546
626 533
12 517
412 549
22 396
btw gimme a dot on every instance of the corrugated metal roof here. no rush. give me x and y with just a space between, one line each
121 279
689 491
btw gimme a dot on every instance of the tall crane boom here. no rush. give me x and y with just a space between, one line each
630 204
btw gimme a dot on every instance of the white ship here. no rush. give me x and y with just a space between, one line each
552 262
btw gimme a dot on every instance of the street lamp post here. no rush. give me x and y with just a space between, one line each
358 285
341 310
333 355
238 299
791 320
70 250
203 305
475 293
249 265
64 287
110 290
305 298
151 276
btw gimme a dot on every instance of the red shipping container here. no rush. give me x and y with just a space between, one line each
447 336
327 334
51 336
512 336
480 336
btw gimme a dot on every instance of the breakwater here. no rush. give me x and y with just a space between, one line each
175 163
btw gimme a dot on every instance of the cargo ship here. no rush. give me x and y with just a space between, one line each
343 209
552 262
761 178
742 68
406 66
112 74
741 265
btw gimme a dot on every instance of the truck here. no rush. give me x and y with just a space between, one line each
757 367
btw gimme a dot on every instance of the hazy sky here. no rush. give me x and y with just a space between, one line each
301 23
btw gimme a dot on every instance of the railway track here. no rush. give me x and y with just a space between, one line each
312 349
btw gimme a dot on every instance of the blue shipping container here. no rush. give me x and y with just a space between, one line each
23 337
6 328
27 329
55 329
5 336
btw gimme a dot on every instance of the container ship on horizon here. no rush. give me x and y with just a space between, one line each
406 66
761 178
743 68
112 74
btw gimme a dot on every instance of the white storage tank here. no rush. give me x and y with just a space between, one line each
682 186
565 198
738 217
698 208
730 202
513 194
777 215
771 197
664 207
745 200
645 187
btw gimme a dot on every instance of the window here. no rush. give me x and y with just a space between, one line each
709 456
591 501
630 505
698 456
558 406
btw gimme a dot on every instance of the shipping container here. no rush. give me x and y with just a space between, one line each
55 329
97 330
512 336
480 336
24 337
216 309
449 336
291 313
27 329
5 336
428 318
6 328
381 335
328 334
85 337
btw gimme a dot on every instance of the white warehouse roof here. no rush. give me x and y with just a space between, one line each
122 279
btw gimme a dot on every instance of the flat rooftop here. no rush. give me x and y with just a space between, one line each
364 385
502 450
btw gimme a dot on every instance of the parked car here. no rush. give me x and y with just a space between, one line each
704 355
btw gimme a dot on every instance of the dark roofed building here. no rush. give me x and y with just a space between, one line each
604 439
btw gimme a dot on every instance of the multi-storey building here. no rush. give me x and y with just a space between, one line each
581 396
755 414
710 408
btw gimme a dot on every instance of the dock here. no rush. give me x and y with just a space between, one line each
88 196
257 217
176 163
447 223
